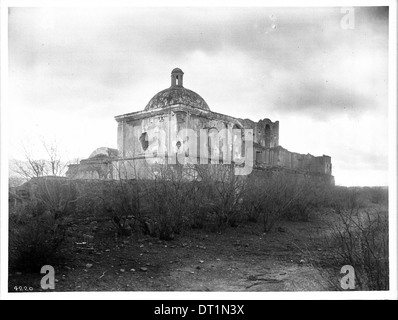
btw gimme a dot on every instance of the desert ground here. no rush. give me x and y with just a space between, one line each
293 256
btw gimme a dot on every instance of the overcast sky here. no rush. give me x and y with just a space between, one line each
71 70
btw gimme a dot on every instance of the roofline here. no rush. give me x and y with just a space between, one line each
175 108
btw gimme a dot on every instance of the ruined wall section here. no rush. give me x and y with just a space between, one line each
99 167
134 139
216 144
266 132
266 136
281 157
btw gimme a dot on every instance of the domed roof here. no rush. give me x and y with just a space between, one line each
104 152
177 70
177 94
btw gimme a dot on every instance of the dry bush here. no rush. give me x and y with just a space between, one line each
360 240
170 201
263 200
376 195
162 204
179 197
121 203
34 242
280 196
222 195
357 236
35 168
351 199
57 195
303 197
38 228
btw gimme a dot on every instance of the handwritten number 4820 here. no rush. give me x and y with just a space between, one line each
23 289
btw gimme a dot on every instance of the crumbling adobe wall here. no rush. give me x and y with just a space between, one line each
133 135
281 157
266 132
99 167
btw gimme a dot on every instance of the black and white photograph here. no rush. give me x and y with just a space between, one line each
198 150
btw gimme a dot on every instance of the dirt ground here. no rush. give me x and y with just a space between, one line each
237 259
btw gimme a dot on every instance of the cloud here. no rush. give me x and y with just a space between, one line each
321 101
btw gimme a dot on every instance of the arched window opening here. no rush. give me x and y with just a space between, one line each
144 141
213 144
267 136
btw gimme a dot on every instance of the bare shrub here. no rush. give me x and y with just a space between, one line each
278 196
350 199
360 240
377 195
161 203
180 199
171 198
56 195
222 194
307 196
121 202
174 198
34 242
31 167
38 228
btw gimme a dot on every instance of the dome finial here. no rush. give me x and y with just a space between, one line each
176 77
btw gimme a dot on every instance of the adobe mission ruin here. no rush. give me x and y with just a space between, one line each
177 108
